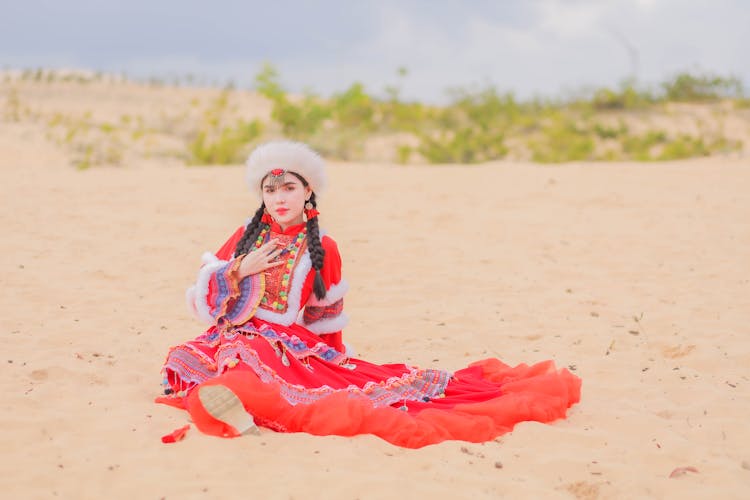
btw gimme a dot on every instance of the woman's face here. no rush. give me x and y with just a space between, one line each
285 197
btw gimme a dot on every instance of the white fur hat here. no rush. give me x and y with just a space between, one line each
291 156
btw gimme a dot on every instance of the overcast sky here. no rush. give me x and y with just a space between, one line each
525 46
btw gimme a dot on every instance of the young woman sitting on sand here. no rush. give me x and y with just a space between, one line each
273 353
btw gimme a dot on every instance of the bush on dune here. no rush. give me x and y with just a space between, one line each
230 146
689 87
477 124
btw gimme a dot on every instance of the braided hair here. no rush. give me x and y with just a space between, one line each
255 226
252 230
316 252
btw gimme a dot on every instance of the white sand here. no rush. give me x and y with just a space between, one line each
447 265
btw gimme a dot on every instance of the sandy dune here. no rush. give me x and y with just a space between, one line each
636 276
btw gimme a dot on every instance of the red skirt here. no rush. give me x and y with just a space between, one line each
292 381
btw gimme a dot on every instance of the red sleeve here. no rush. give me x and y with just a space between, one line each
226 251
331 271
326 317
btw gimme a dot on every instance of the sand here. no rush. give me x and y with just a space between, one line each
636 276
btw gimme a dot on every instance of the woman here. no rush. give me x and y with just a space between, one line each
273 353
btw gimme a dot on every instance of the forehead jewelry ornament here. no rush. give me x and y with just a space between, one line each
276 178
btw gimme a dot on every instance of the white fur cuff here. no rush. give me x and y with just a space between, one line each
330 325
333 294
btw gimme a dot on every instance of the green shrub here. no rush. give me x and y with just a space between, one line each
267 83
302 120
228 147
639 147
403 153
487 108
562 140
627 97
107 128
397 116
686 146
13 106
353 108
471 129
683 146
604 132
465 145
690 87
85 159
297 120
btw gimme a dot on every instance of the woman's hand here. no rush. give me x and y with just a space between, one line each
261 259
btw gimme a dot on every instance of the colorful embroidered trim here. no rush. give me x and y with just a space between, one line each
231 301
415 385
187 366
293 344
317 313
200 294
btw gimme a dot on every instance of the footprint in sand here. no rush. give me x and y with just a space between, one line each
677 351
665 414
583 490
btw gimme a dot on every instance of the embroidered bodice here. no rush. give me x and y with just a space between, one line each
278 282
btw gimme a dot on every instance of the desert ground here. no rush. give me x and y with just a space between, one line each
635 276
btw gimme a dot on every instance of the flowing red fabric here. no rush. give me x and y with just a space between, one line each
176 435
480 402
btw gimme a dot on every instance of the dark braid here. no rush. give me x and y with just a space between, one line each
253 229
316 253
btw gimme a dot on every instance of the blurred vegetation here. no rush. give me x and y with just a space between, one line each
624 98
476 124
562 138
692 88
298 120
215 143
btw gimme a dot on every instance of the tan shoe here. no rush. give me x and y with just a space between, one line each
224 405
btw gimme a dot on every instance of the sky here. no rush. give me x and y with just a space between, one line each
529 47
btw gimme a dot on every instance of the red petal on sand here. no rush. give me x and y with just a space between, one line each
175 436
681 471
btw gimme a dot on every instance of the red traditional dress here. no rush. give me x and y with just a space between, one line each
280 350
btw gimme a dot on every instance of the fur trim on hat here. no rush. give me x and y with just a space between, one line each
291 156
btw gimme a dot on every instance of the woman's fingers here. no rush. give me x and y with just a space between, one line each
275 253
275 263
268 245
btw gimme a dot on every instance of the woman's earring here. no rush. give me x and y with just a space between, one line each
308 206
